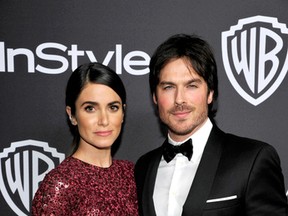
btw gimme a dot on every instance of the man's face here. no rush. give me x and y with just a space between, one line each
182 98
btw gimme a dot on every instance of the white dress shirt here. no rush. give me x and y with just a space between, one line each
174 179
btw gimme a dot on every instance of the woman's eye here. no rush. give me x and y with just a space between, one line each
89 108
114 108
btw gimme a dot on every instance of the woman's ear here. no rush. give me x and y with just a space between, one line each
124 110
154 99
71 117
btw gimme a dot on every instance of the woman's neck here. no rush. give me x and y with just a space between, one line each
96 157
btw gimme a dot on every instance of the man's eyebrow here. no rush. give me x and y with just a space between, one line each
166 83
194 80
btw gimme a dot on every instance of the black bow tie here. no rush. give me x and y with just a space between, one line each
169 150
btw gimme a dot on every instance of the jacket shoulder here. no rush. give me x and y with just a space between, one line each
245 144
153 154
236 141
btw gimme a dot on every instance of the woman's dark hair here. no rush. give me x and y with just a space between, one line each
90 73
196 51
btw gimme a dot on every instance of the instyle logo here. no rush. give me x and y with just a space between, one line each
63 58
255 56
23 166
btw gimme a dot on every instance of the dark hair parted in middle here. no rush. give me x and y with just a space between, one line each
91 73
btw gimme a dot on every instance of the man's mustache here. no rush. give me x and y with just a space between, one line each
181 108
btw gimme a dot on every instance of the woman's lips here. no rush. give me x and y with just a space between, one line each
103 133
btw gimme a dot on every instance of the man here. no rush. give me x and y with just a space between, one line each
226 174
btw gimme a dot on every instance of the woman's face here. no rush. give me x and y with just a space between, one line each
98 115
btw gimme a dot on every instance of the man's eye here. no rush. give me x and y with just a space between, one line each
167 87
192 86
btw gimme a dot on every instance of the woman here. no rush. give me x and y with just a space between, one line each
90 182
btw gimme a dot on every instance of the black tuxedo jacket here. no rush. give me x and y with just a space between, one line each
230 166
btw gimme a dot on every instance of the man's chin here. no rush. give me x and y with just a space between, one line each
180 132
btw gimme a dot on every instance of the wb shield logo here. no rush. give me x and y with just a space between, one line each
255 57
23 166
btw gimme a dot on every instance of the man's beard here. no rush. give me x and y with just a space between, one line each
185 130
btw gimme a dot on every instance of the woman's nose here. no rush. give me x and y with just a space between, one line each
103 119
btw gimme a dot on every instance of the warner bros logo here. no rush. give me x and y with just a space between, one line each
255 56
23 166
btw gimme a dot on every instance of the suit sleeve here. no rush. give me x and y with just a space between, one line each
265 193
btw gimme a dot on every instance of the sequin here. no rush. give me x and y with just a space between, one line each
79 188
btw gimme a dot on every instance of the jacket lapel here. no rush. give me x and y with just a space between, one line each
148 189
205 174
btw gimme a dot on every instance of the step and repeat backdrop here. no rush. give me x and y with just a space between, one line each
42 42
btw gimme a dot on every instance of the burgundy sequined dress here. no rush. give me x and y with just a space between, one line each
79 188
